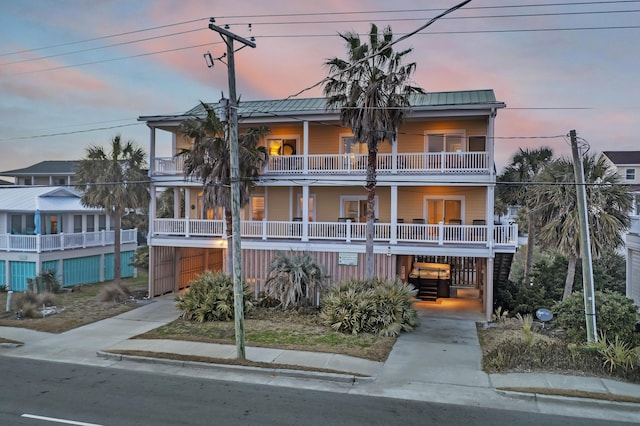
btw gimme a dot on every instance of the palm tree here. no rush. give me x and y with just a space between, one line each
371 88
608 205
514 188
209 161
114 181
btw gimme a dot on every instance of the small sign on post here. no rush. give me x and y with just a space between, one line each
348 259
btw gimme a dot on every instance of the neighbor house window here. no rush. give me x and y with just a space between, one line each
91 223
349 145
477 143
631 174
77 223
102 222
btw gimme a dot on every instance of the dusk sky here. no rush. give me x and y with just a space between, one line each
75 73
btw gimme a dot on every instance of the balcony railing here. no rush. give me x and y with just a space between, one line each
407 163
503 235
57 242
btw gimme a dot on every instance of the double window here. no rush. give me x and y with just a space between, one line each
445 209
446 141
630 174
282 146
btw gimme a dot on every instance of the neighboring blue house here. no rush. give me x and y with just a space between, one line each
47 228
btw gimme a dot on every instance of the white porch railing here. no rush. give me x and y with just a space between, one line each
62 241
413 163
505 235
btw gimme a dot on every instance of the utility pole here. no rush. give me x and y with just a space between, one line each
585 242
238 302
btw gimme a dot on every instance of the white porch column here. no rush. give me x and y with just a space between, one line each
176 203
305 212
488 289
152 213
394 213
305 147
394 154
491 143
152 150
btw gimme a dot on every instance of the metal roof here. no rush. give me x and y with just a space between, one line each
45 199
623 157
45 168
310 105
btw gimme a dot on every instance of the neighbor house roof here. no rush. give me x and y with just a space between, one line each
623 157
45 168
267 108
46 199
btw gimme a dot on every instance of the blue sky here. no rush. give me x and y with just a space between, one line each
70 67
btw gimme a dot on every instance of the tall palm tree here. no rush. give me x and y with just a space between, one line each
372 90
208 160
114 181
608 206
515 189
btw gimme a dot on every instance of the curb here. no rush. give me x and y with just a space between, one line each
272 372
585 402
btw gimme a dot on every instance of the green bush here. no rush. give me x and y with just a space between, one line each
616 315
47 281
374 306
210 298
141 258
294 280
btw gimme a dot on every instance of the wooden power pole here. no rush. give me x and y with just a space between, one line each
238 302
585 242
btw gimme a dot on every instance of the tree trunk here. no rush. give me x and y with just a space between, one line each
531 240
571 274
229 222
371 213
117 230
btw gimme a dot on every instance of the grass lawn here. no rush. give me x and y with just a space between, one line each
78 307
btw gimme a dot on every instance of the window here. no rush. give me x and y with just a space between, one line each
355 208
91 226
630 174
477 143
257 208
449 141
77 223
60 181
444 210
282 146
102 222
312 204
348 145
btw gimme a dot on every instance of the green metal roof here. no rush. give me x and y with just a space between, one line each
45 168
310 105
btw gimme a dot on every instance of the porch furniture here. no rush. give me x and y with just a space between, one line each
418 221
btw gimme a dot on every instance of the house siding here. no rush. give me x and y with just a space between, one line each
20 273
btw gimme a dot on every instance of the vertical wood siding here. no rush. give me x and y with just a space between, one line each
164 271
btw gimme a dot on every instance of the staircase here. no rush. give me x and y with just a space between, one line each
428 291
501 268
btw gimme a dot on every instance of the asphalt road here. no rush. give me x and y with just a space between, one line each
45 393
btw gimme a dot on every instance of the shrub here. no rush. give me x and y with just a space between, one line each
114 293
294 280
46 281
617 354
210 298
29 303
500 315
141 258
375 306
616 315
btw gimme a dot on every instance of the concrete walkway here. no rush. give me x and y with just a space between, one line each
439 362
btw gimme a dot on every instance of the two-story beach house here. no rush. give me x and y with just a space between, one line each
434 198
627 165
44 228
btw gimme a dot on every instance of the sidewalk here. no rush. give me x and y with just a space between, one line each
439 362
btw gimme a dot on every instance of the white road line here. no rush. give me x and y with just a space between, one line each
53 419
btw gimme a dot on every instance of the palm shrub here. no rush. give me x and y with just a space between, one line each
616 315
210 298
47 281
294 279
376 306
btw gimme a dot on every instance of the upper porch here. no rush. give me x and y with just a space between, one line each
415 163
